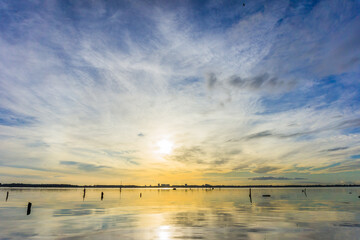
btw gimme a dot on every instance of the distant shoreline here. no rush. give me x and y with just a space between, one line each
24 185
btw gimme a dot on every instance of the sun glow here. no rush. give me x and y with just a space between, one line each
164 146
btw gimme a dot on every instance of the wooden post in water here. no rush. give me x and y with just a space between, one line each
84 194
102 196
7 195
304 191
29 208
140 195
250 195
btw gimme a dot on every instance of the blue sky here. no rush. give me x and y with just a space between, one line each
180 91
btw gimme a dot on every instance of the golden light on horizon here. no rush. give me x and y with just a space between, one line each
164 146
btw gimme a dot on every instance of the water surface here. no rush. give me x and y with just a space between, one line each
325 213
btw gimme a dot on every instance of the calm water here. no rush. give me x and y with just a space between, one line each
325 213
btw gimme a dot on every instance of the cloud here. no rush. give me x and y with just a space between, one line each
259 135
346 124
327 166
263 81
83 166
38 144
188 155
211 80
349 123
10 118
327 57
71 163
342 167
336 149
240 167
221 161
265 169
275 178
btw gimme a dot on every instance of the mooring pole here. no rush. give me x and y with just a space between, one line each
84 194
29 208
250 195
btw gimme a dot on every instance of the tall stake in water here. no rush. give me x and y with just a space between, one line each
250 195
29 208
84 194
304 191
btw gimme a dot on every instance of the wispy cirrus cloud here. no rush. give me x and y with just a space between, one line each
83 166
336 149
275 178
265 169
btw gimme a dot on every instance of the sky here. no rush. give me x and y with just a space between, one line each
196 92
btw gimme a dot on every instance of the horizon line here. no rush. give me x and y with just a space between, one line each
169 186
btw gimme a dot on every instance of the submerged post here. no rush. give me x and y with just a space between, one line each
140 195
7 195
84 194
102 196
304 191
29 208
250 195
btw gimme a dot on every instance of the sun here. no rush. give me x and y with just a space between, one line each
164 146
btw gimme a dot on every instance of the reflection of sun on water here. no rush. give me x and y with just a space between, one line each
164 146
163 232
